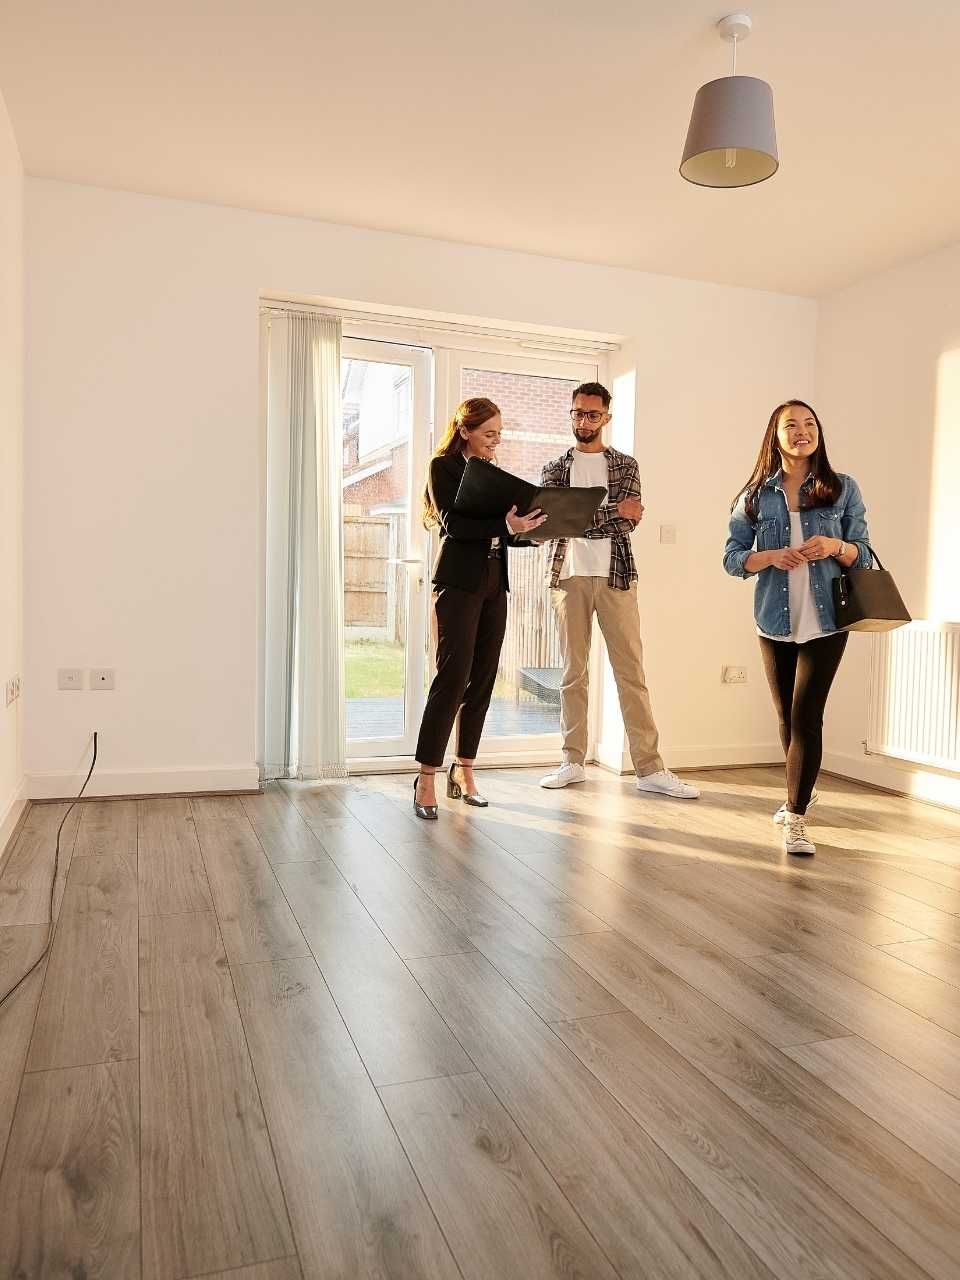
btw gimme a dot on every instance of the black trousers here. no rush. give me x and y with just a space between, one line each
800 676
470 628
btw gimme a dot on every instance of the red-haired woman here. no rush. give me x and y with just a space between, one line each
470 581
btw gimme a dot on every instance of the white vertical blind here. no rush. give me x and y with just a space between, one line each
303 732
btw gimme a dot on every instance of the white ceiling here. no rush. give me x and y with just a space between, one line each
550 126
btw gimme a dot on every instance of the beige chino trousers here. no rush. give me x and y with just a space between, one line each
575 601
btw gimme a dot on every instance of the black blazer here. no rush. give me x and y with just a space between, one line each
464 541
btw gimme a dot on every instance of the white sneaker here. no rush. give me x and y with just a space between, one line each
666 783
564 776
781 812
795 838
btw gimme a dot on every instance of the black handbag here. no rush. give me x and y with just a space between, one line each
868 600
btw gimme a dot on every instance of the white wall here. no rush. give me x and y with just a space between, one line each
889 393
142 457
11 471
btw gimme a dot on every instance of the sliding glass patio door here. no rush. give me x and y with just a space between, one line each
534 397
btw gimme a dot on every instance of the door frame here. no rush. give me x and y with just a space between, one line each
449 362
414 554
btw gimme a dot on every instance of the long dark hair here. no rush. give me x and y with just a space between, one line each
470 415
826 486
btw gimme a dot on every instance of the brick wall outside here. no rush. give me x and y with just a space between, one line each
389 485
536 429
530 407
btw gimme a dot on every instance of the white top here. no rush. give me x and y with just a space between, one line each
587 557
804 619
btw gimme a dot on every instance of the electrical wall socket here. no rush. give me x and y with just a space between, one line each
70 678
734 675
102 678
668 534
12 690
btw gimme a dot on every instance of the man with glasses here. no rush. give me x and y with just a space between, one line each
596 574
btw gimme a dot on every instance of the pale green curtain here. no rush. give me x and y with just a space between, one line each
303 727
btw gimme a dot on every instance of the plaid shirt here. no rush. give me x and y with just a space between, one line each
623 481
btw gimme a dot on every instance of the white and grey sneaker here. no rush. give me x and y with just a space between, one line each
564 776
665 783
795 838
779 816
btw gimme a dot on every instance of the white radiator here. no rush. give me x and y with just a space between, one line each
914 711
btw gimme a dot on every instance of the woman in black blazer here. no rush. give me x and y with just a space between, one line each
471 582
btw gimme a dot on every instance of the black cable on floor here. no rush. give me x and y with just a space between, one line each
53 883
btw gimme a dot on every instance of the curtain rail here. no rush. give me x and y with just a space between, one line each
528 339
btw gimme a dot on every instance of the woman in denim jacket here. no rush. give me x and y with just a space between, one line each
795 525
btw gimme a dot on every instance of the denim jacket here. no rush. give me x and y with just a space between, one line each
771 602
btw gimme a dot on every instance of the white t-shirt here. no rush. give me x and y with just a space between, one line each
804 619
587 557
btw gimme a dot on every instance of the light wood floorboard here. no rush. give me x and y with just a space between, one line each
778 1205
281 1269
414 925
282 832
358 1211
172 878
28 867
500 1209
921 1115
648 1218
905 1035
397 1031
256 922
20 946
89 1012
938 959
69 1194
303 1035
901 1194
211 1195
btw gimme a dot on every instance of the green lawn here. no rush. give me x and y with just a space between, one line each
374 669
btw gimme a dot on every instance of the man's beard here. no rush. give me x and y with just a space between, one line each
585 435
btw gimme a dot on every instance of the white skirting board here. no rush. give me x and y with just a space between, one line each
696 757
889 775
124 782
541 758
11 816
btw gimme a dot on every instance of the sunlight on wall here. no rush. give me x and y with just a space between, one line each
943 565
621 434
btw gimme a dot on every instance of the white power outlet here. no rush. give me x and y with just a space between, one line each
11 691
102 678
70 678
668 534
734 675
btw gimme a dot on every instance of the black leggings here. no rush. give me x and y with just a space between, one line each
800 676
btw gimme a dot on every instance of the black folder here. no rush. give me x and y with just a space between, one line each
486 491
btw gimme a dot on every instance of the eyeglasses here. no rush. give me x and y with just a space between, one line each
593 416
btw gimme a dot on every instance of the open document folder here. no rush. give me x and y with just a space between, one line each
487 492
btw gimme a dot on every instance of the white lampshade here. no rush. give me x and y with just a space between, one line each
732 139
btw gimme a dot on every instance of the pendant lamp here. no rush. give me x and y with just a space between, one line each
732 141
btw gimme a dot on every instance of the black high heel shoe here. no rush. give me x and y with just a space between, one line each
428 811
456 792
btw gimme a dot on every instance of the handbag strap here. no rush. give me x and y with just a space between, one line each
846 569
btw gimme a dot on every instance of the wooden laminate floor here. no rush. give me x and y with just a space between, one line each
585 1033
